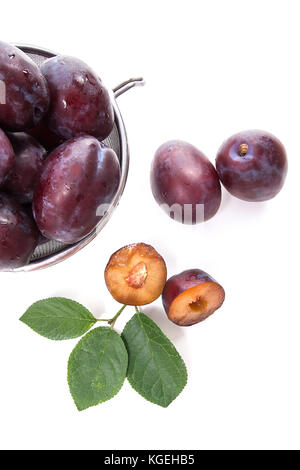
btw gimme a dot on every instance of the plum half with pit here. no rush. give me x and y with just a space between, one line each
7 156
18 234
136 274
24 94
191 296
77 184
79 101
185 183
28 162
252 165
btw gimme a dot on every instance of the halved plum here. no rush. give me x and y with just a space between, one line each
136 274
191 296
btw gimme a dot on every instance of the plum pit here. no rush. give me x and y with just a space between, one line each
137 275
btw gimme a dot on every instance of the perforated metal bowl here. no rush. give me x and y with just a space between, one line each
52 252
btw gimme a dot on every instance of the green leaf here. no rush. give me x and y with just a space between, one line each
155 368
97 367
58 318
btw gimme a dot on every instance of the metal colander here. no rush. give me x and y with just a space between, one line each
50 252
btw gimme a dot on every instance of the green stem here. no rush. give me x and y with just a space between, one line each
137 310
112 321
104 319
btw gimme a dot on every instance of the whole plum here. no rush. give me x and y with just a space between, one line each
77 181
24 94
252 165
29 159
18 234
79 101
185 183
45 137
6 156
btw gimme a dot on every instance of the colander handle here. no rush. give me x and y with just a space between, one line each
124 86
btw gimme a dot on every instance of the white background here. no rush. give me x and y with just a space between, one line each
212 68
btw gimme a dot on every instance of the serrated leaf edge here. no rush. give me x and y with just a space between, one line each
92 321
181 360
68 370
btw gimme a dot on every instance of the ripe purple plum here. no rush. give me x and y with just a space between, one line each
252 165
24 94
185 183
29 159
6 156
78 180
18 234
79 101
191 296
45 137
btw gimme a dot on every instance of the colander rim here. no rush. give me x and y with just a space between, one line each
68 251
